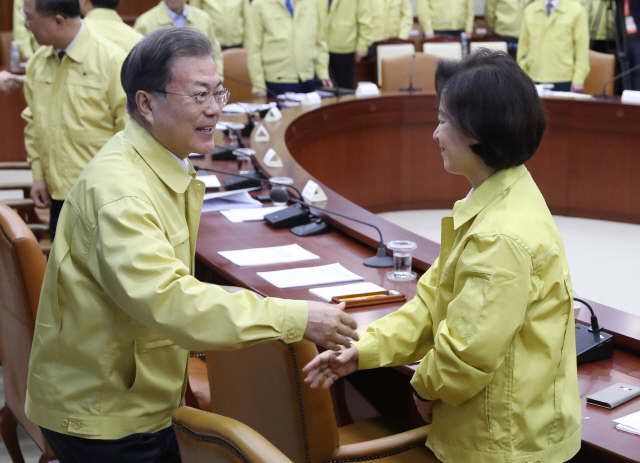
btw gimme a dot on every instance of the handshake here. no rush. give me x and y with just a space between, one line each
10 82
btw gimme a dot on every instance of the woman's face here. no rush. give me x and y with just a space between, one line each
455 147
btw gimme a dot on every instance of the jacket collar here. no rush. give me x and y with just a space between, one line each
157 157
104 14
79 48
490 189
163 16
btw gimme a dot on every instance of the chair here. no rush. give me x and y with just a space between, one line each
396 71
496 46
389 49
206 437
23 266
262 387
5 47
603 67
236 66
445 50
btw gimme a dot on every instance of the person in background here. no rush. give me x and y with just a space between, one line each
504 18
349 34
448 17
602 32
390 18
10 82
178 13
229 19
26 41
101 17
492 322
75 102
554 44
286 46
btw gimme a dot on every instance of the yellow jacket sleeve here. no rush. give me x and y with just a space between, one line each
321 64
523 47
406 21
490 13
365 31
217 49
424 16
26 41
33 157
581 44
255 40
494 275
470 17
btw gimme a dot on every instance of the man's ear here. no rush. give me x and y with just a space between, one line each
144 102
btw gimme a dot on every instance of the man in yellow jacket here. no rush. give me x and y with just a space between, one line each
450 17
504 18
26 41
178 13
554 44
349 34
75 102
229 19
391 18
120 306
602 25
286 46
102 18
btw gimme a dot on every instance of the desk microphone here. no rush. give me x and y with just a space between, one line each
379 260
613 79
592 343
411 87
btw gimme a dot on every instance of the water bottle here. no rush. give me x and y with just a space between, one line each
15 57
464 43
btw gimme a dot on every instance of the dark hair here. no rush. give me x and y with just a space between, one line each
148 66
488 97
64 8
111 4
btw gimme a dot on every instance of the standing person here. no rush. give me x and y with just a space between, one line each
102 18
286 46
554 44
504 18
27 43
492 321
391 18
229 19
178 13
120 306
349 34
75 102
449 17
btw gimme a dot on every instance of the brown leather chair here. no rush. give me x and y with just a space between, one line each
206 437
396 71
22 267
262 386
603 66
236 66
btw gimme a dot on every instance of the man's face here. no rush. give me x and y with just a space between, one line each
44 27
177 6
178 123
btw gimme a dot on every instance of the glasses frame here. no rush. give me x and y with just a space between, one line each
204 103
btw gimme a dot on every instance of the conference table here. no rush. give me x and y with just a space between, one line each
377 154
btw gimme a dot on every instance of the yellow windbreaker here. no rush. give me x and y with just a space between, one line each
601 19
26 41
283 49
555 48
109 24
73 108
445 15
158 17
504 17
348 25
391 18
229 18
493 326
120 306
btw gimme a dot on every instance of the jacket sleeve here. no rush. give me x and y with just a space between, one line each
135 263
33 156
490 14
21 34
404 336
523 45
493 288
406 20
365 30
321 64
141 26
424 16
255 40
581 48
468 27
117 97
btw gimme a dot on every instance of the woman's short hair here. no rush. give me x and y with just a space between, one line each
489 98
149 64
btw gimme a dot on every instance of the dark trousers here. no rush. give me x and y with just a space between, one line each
301 87
451 33
54 214
157 447
343 66
226 47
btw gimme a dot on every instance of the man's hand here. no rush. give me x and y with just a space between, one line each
10 82
327 83
40 194
360 55
575 88
425 409
328 326
429 35
327 367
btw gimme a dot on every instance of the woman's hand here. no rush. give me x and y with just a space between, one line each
327 367
424 408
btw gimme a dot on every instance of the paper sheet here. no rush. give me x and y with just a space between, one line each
210 181
224 200
249 215
629 423
328 292
309 276
242 108
267 256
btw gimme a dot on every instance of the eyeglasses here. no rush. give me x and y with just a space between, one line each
204 99
28 21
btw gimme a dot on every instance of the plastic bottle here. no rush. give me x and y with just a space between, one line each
15 57
464 43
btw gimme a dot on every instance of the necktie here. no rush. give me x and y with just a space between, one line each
289 6
61 54
549 8
330 4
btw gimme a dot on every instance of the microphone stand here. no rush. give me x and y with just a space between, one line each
411 87
613 79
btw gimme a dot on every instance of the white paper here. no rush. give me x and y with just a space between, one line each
249 215
329 292
242 108
309 276
629 423
570 95
225 200
268 256
210 181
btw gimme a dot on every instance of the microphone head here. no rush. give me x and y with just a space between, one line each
279 195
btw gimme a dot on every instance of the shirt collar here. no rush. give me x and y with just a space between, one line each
70 46
158 157
181 162
105 14
177 17
484 195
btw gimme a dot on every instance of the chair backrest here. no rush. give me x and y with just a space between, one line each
445 50
5 47
206 437
603 66
22 265
496 46
390 51
236 65
396 71
262 386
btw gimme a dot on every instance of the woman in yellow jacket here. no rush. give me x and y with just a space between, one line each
492 322
229 18
449 17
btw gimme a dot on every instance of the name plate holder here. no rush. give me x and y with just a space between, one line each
262 135
271 159
312 192
274 115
